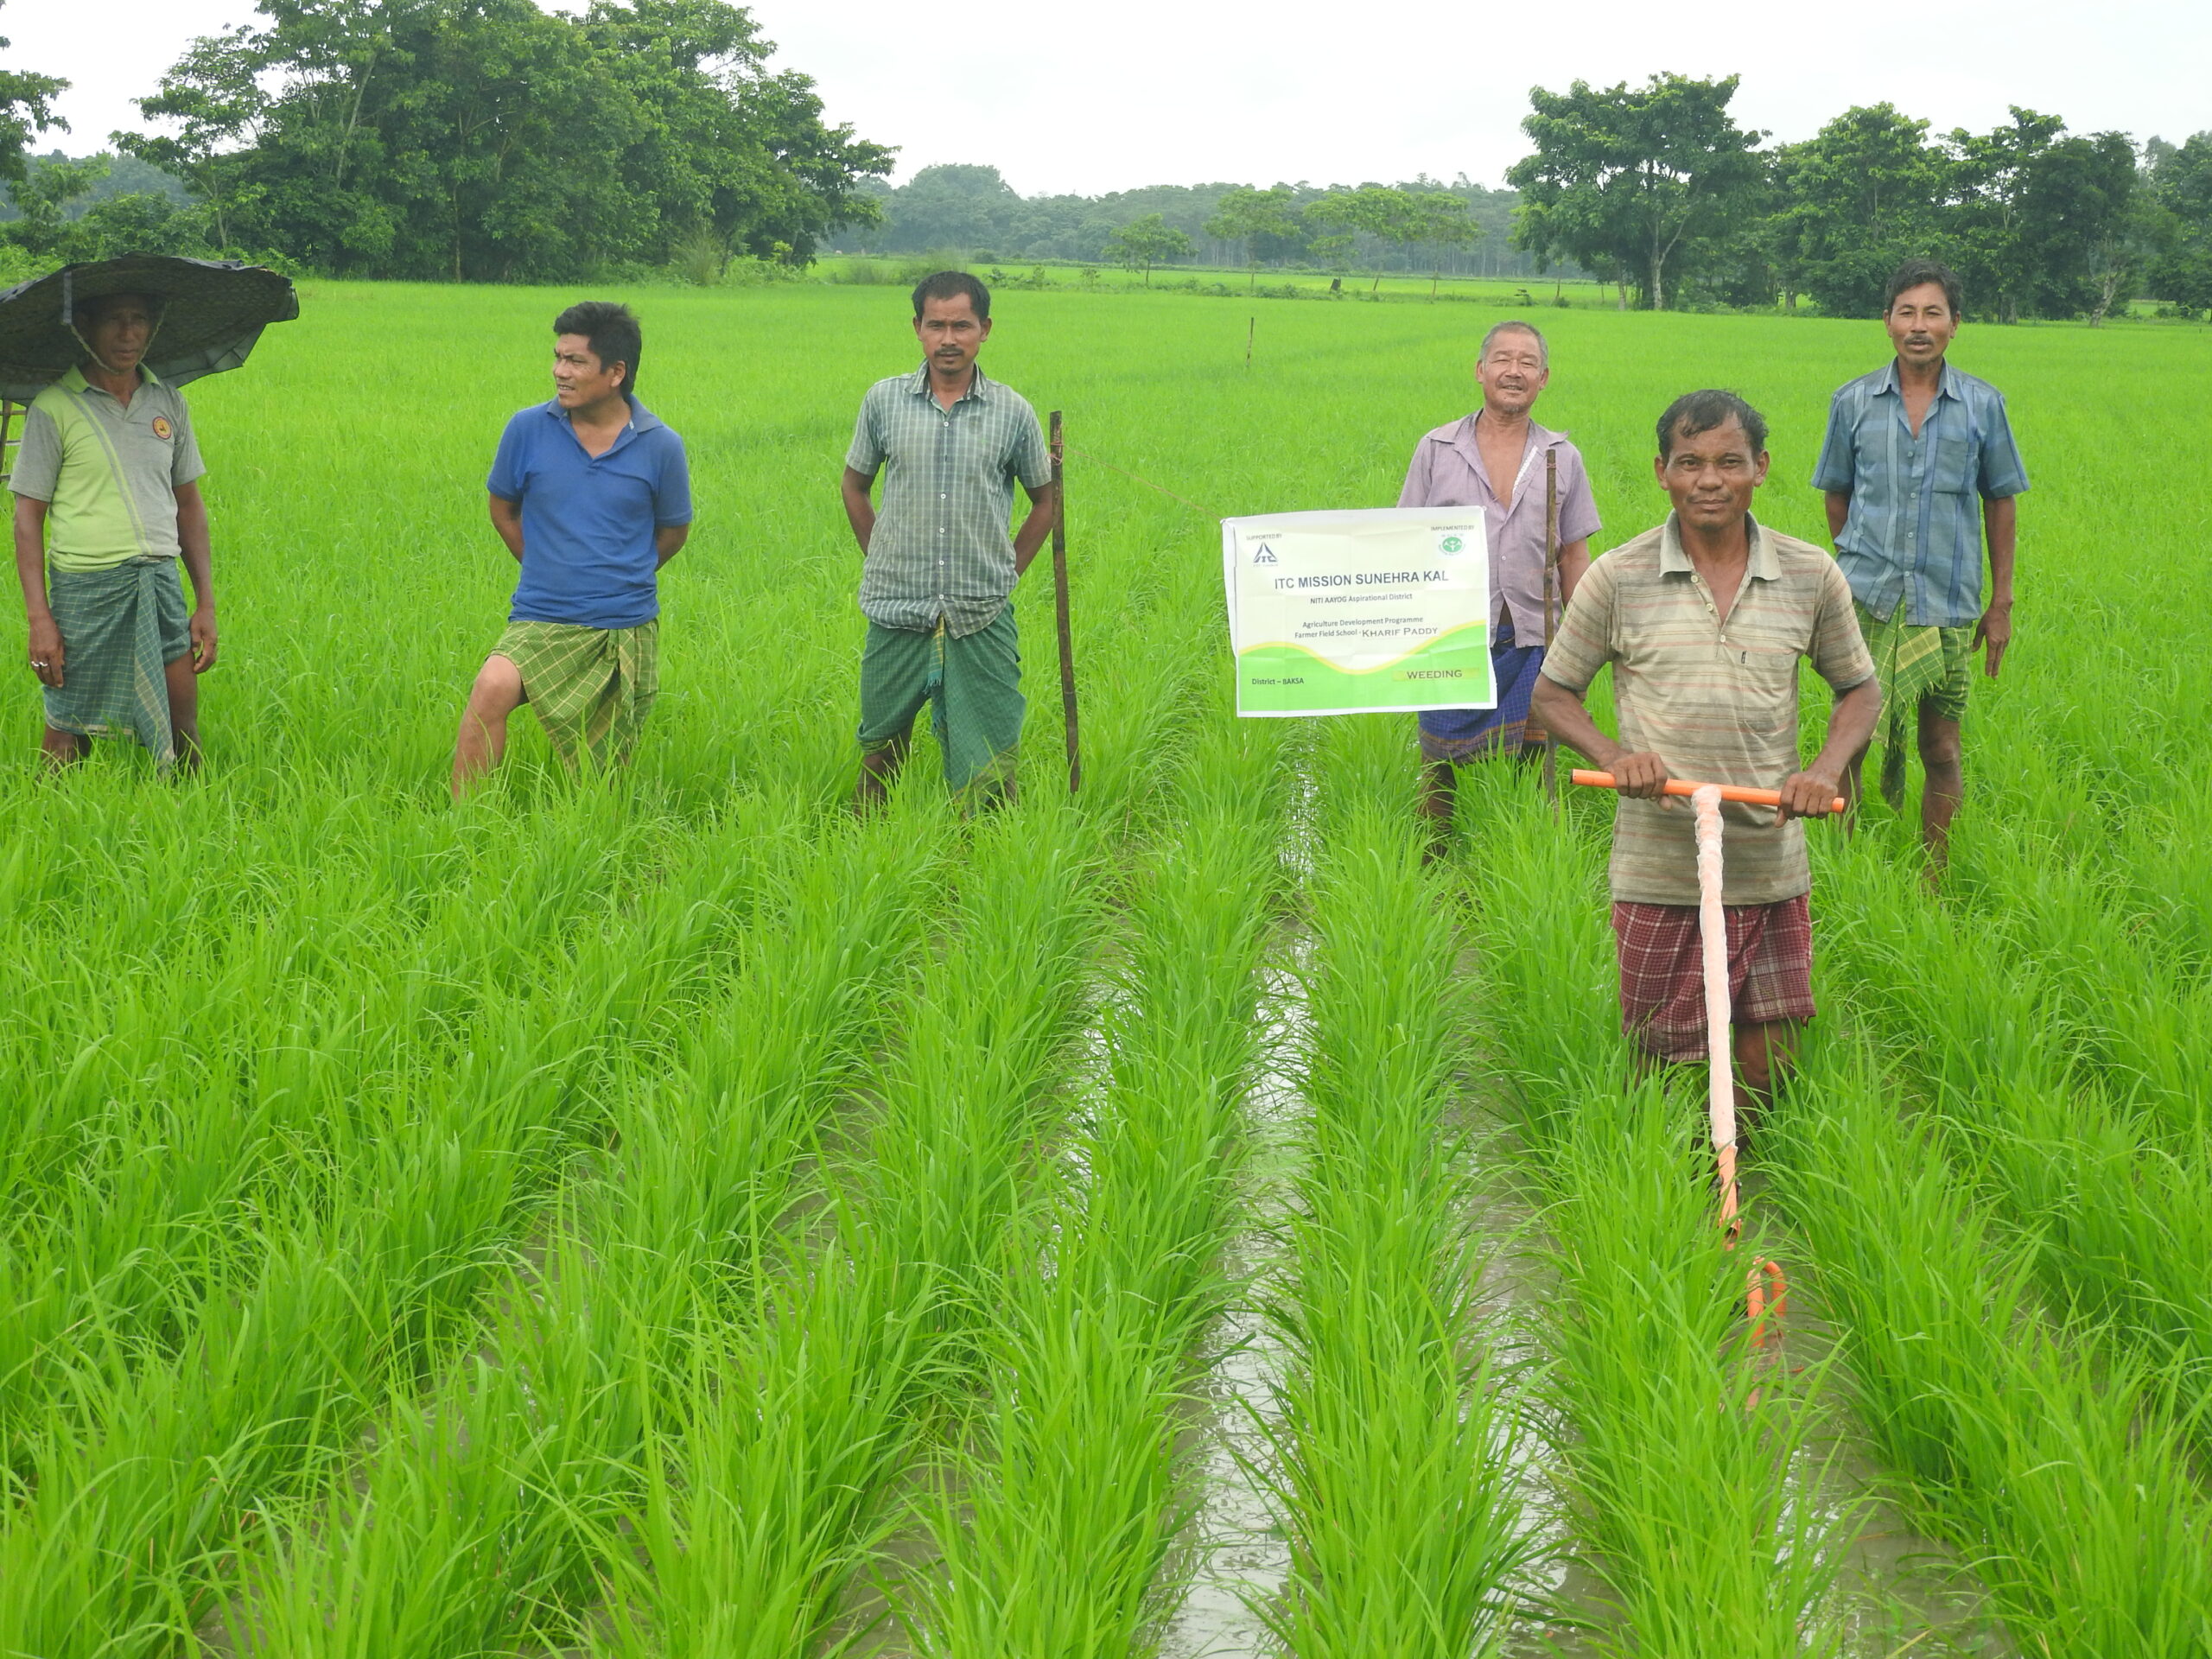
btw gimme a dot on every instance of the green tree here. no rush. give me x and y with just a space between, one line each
26 108
1143 243
1250 216
1382 211
2181 188
1854 201
42 200
1440 220
490 140
2038 214
1647 180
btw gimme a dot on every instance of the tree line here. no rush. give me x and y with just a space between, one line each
490 140
970 210
1657 189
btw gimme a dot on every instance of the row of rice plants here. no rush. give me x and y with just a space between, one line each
326 993
1050 1526
2116 1196
1394 1444
480 1516
464 1452
2055 1460
1692 1496
2124 968
141 1176
352 1271
775 1465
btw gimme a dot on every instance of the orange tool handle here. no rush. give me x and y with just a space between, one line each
1676 786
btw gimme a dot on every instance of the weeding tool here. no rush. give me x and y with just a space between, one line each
1675 786
1060 609
1551 610
1766 1292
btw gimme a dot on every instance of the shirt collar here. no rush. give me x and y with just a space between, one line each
1539 438
1765 562
917 385
75 381
641 418
1890 380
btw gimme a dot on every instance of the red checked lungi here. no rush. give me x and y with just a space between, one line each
1662 975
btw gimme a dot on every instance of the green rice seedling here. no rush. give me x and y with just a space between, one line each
768 1487
2060 1469
1394 1445
2117 1203
549 1421
877 1339
1693 1495
1059 1520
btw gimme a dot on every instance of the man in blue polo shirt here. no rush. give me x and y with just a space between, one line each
1919 467
592 495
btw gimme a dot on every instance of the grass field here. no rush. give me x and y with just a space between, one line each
665 1217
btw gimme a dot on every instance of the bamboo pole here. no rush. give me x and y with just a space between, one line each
1551 612
1060 607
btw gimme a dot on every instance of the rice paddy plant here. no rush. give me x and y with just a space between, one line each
1393 1449
1057 1517
139 1464
880 1338
1692 1492
2115 1198
2056 1461
485 1510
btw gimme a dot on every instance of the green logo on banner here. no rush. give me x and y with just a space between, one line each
1450 545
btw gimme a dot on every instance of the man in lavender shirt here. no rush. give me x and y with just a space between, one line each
1494 458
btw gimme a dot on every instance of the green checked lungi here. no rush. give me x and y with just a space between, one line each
1913 664
972 682
592 687
121 626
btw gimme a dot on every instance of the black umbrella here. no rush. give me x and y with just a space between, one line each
212 311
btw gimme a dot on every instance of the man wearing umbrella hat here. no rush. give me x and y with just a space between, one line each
107 502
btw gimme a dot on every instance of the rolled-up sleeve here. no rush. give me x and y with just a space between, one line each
506 480
1033 456
38 459
1415 493
184 465
1840 654
1578 508
672 493
867 453
1584 643
2003 472
1837 467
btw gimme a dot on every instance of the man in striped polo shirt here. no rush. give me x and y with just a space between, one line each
107 503
938 566
1703 620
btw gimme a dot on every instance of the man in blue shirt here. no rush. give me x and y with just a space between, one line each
592 495
1918 464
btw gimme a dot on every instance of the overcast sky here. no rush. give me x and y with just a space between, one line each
1091 98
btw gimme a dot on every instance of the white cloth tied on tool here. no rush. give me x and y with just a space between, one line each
1713 928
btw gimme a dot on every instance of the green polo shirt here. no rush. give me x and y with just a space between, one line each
108 471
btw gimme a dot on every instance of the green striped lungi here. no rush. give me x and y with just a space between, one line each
592 687
121 626
972 682
1912 664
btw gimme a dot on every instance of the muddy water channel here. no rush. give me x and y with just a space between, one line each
1898 1592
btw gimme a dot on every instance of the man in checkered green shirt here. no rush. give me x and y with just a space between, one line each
939 565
